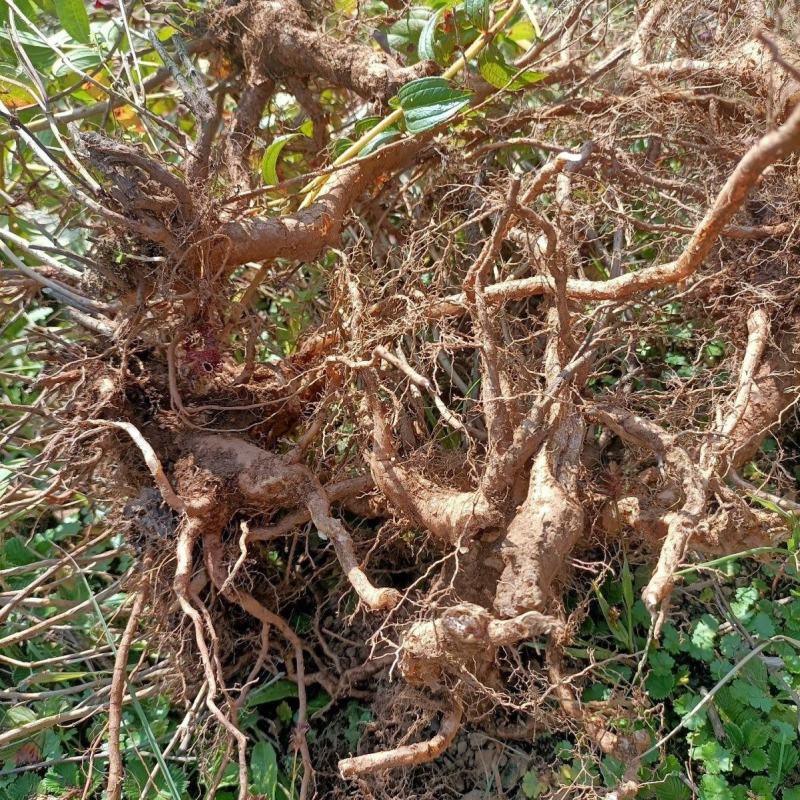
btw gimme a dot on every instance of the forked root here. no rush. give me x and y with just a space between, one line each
266 479
193 528
409 755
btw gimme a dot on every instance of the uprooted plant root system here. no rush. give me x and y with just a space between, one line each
441 447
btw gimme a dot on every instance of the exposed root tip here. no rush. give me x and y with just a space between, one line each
408 755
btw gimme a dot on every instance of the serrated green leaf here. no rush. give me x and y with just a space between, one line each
428 102
264 770
735 735
755 760
672 788
703 637
783 758
494 70
477 12
269 161
715 787
714 756
752 695
72 15
763 625
660 661
685 705
531 785
670 638
762 788
659 685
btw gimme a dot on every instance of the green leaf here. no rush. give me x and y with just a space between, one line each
735 735
660 661
80 58
791 793
762 788
672 788
269 161
340 146
366 124
670 638
47 5
714 787
617 629
531 785
751 695
763 625
498 73
72 15
703 636
477 12
426 46
714 756
271 693
428 102
627 584
783 758
406 31
755 760
13 87
659 685
264 770
56 677
685 705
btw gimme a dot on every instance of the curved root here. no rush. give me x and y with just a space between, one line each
408 755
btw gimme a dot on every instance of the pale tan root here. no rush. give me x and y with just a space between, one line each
758 334
538 540
119 676
465 634
683 523
266 479
150 459
408 755
188 534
